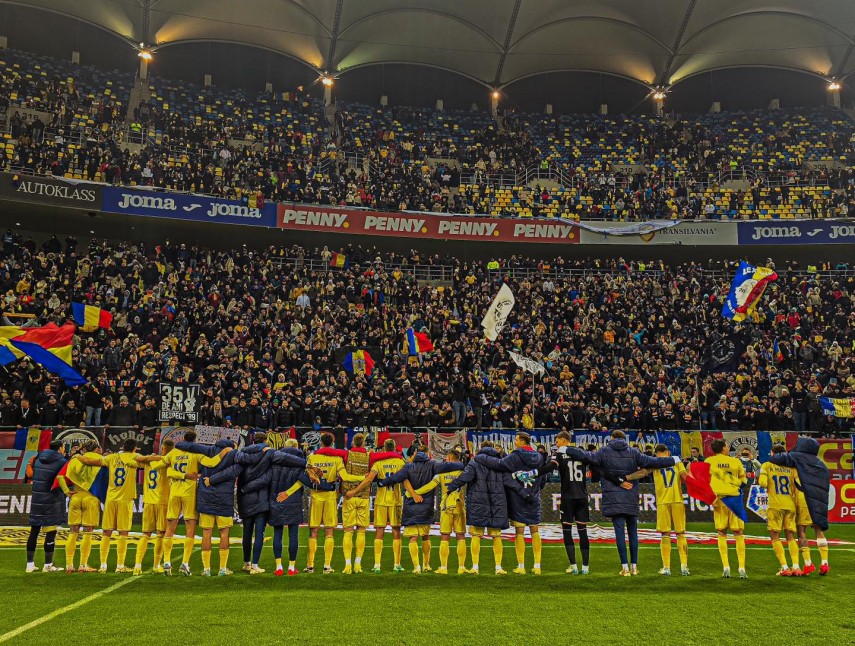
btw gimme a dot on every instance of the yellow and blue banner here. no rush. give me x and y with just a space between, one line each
32 439
748 286
49 346
838 407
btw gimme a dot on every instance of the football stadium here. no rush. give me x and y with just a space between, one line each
427 322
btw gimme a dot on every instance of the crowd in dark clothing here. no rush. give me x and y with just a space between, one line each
622 344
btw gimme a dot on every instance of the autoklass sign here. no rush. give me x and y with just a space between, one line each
179 403
51 190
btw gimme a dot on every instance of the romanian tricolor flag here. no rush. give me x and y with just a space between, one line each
779 356
49 346
92 479
338 260
838 407
32 439
748 286
698 487
89 316
415 343
359 363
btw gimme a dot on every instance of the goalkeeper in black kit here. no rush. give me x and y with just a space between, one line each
574 498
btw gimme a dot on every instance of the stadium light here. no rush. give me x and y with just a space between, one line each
495 94
833 85
145 54
327 81
659 95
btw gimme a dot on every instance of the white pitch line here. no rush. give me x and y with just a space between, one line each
61 611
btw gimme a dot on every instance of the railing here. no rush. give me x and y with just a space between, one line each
443 273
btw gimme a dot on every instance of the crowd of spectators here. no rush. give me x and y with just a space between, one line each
622 342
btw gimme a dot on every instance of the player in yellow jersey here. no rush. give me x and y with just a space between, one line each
84 509
780 485
323 505
155 497
119 506
183 473
727 476
387 503
355 516
452 517
671 511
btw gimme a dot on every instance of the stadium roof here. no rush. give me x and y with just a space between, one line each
497 42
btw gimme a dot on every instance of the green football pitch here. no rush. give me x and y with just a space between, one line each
388 608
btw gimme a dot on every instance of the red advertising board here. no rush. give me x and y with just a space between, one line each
837 455
432 226
842 502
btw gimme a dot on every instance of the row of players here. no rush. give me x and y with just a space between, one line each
197 483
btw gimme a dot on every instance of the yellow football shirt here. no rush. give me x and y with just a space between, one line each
668 483
155 485
726 475
179 465
122 483
330 465
80 475
780 485
388 496
442 480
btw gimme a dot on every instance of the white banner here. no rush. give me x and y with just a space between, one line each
529 365
178 402
497 314
653 233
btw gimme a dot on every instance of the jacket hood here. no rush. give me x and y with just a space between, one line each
529 457
49 456
618 445
224 444
489 451
290 450
421 456
807 445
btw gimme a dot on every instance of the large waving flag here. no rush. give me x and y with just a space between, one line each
8 353
529 365
50 347
415 343
498 312
698 487
748 286
89 316
359 363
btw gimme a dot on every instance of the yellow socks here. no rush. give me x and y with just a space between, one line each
278 564
360 544
346 547
414 554
722 551
461 552
740 551
224 558
519 549
475 550
121 551
70 548
158 550
822 546
444 551
329 546
206 559
778 548
426 553
806 555
537 548
167 549
665 551
396 550
497 552
189 544
378 551
142 546
683 549
85 548
104 550
793 548
313 548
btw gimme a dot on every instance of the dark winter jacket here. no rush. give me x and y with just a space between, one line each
218 499
486 504
419 472
619 459
47 507
254 480
813 477
523 502
288 467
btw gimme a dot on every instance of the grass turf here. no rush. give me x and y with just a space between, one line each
555 608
